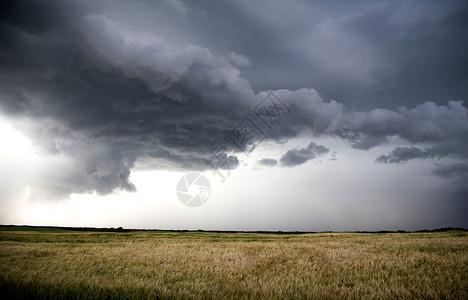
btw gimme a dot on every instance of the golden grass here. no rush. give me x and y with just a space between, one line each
150 265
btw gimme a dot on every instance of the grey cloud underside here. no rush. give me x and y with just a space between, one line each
457 170
404 154
268 162
107 105
457 175
82 84
299 156
442 127
367 53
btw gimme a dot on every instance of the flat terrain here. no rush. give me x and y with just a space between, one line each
61 264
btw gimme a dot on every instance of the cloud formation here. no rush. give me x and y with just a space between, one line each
106 89
403 154
299 156
426 123
457 170
105 96
268 162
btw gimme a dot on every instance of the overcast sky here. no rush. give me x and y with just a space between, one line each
302 115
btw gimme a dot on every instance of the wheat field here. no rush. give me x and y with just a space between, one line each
61 264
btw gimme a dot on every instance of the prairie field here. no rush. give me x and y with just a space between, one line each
62 264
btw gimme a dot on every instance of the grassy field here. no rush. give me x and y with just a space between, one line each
61 264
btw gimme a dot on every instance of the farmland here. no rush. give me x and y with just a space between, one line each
57 263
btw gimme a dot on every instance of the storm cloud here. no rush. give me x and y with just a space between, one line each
458 170
403 154
107 89
105 95
298 156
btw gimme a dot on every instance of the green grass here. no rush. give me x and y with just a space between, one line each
61 264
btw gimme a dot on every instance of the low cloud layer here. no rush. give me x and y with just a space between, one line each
299 156
458 171
268 162
404 154
94 88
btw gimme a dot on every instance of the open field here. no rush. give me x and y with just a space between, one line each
61 264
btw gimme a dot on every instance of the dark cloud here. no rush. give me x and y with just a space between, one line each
443 125
105 96
32 16
449 146
403 154
457 175
268 162
298 156
456 170
109 87
379 54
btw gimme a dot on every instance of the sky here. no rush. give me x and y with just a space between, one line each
234 115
